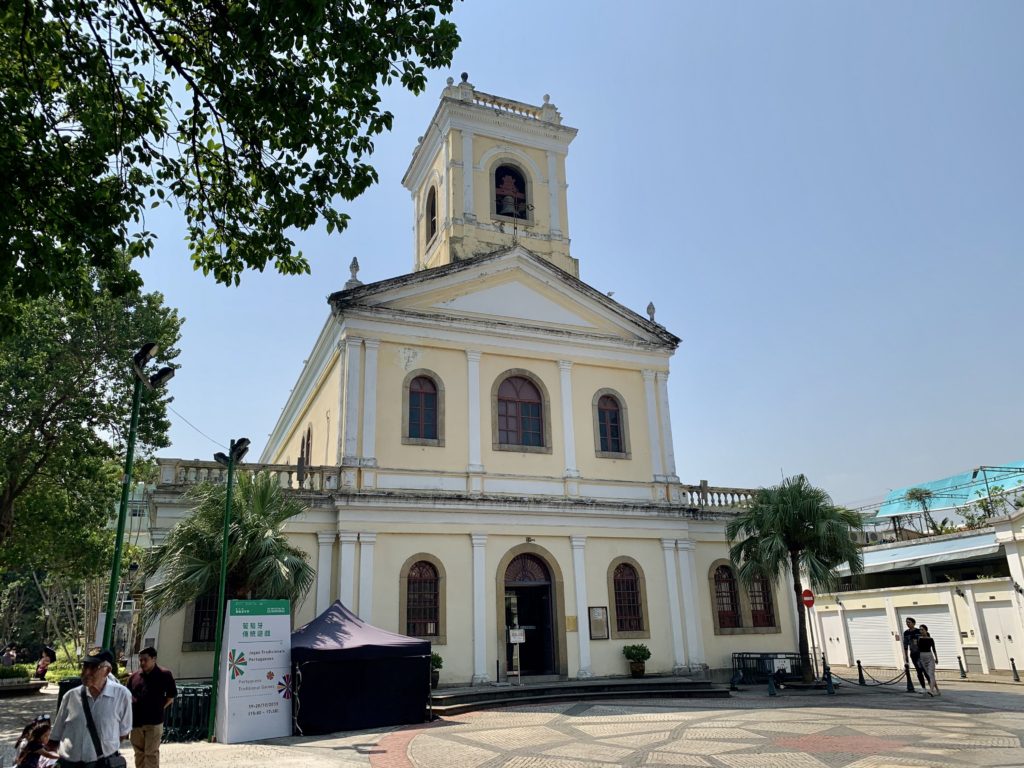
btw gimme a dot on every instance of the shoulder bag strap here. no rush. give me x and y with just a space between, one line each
91 724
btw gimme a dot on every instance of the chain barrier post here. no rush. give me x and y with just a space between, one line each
860 674
963 672
771 686
910 683
1013 666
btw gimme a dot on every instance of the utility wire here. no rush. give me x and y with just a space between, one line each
197 429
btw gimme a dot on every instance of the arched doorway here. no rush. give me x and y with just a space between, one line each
529 605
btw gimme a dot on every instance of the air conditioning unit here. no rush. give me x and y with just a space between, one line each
872 536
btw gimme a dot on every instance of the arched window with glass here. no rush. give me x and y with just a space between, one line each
520 413
629 615
422 408
727 603
430 215
762 608
422 600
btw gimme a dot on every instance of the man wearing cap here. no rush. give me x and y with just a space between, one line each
107 702
153 690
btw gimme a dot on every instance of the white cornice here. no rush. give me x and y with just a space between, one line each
316 368
430 329
454 114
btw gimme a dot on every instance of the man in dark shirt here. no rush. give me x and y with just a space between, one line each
153 690
910 636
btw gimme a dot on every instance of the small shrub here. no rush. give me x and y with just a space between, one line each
22 671
57 671
637 652
436 662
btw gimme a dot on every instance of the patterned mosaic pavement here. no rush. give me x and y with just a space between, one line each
882 731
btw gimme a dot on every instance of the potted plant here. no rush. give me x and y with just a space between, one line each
636 655
436 662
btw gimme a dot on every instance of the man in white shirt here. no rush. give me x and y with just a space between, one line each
110 704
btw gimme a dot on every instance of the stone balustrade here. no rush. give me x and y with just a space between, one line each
179 472
193 472
706 496
506 105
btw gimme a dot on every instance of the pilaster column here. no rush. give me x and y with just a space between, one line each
479 541
579 570
342 360
347 568
666 427
654 434
370 404
894 621
366 543
668 548
972 608
553 188
352 366
569 438
467 175
323 570
691 613
473 403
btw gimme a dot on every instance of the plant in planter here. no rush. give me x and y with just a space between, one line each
636 655
436 662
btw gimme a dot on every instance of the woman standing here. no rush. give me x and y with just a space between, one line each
929 658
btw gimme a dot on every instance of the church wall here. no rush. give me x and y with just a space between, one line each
515 462
606 655
395 362
321 413
436 176
306 609
587 380
719 648
454 551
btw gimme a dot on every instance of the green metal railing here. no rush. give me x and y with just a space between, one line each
188 717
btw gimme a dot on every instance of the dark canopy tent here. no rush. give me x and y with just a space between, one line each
350 675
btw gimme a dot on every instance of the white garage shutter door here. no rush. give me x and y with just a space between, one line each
940 627
834 639
871 638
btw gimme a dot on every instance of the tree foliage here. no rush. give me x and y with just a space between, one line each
250 117
922 497
794 528
66 382
261 562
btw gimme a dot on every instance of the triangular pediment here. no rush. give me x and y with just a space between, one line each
516 300
513 288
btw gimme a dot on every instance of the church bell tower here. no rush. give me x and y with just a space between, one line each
489 173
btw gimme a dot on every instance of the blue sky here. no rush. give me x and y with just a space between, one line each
825 200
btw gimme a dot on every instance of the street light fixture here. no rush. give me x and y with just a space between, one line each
158 379
235 454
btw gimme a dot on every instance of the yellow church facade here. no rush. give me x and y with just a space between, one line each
485 443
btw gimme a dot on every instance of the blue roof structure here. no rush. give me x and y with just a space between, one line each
955 491
927 552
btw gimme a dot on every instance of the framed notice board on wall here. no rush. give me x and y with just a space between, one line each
598 622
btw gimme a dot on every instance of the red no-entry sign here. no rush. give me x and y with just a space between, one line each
808 597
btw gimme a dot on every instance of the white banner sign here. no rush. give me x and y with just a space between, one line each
255 699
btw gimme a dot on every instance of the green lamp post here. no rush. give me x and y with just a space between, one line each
235 454
142 379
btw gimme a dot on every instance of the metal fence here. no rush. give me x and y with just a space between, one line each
188 717
756 668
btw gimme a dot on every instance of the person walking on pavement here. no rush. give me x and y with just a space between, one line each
153 690
94 718
910 636
929 658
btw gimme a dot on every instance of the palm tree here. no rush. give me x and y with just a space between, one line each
794 527
921 497
261 562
